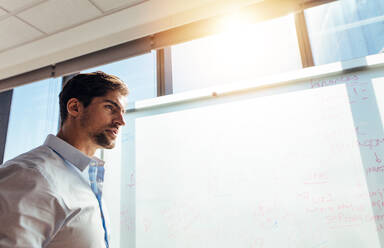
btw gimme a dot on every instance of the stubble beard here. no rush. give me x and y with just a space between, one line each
100 138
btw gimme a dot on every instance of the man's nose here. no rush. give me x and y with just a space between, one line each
120 120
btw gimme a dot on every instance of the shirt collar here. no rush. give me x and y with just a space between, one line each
71 154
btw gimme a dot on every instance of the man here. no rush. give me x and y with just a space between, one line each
51 195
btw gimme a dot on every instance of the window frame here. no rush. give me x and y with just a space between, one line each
160 42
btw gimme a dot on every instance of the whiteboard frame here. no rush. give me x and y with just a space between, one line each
332 69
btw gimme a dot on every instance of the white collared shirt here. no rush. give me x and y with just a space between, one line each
45 201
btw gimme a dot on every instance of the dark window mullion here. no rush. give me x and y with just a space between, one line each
5 110
164 71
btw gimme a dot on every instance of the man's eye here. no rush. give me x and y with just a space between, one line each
110 107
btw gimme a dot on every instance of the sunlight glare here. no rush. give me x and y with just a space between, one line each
234 22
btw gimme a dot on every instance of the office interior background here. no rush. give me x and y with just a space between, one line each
178 55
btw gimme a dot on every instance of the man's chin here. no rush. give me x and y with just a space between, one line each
109 146
104 141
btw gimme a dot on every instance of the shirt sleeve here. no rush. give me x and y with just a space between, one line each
30 212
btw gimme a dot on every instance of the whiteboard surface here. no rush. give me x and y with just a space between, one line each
276 171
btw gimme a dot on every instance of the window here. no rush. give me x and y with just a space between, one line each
34 114
139 73
345 29
240 55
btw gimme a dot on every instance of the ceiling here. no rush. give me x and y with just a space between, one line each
39 33
25 21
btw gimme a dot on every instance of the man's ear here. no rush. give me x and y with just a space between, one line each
74 107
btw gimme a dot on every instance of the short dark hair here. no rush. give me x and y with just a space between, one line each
86 86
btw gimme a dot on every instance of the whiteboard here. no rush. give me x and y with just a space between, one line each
286 170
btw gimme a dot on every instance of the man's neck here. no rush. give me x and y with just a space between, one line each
74 139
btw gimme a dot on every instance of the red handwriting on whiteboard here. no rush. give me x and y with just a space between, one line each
378 193
258 243
131 182
358 91
378 160
374 170
180 218
127 221
334 207
342 220
270 215
377 204
380 227
327 82
377 199
147 224
316 177
371 143
379 218
316 199
321 210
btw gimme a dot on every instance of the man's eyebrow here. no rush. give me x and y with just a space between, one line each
115 104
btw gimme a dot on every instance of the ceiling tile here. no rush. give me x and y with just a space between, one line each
15 32
56 15
12 5
106 5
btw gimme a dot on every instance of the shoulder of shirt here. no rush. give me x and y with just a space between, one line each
36 171
41 159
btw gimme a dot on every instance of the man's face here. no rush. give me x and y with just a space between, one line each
102 119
